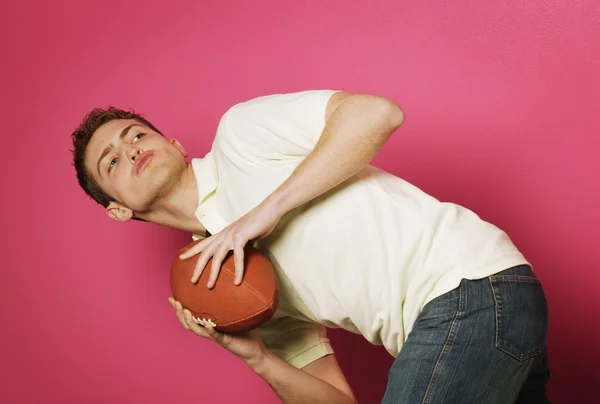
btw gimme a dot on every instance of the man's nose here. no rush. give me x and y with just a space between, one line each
133 153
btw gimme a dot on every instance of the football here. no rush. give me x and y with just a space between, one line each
229 308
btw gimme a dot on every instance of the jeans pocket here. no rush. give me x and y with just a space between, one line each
521 315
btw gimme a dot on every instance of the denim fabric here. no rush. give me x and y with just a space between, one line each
484 343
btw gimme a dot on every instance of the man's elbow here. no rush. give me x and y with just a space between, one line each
392 114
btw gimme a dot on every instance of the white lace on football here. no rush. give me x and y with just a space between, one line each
204 321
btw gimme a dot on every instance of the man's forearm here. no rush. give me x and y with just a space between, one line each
353 135
295 386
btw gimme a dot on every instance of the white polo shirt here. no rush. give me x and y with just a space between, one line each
366 256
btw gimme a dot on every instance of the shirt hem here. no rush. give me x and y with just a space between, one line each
311 355
452 280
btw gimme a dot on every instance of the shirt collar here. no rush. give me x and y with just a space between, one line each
207 177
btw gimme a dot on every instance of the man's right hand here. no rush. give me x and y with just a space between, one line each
322 381
249 346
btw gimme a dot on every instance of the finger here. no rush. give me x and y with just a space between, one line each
178 307
193 326
180 315
215 335
216 265
196 249
171 301
201 263
238 254
189 322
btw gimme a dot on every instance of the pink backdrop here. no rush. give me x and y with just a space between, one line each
502 116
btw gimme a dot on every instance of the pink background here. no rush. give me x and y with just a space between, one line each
502 116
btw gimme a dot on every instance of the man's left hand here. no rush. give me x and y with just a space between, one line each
256 224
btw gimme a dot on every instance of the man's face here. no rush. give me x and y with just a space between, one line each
134 165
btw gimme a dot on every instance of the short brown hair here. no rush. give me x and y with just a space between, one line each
81 138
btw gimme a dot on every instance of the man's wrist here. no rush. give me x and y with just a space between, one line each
260 363
276 201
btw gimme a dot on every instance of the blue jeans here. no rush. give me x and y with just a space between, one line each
484 343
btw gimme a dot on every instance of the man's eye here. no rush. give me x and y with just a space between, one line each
110 165
138 136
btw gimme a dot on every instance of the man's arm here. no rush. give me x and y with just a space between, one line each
357 126
322 381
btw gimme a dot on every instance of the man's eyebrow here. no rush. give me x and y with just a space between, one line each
110 146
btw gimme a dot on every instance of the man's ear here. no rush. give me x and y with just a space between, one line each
178 145
119 212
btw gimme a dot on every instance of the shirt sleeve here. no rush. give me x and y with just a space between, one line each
295 341
276 127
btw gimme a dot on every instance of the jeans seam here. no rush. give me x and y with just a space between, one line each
514 278
498 307
445 349
496 313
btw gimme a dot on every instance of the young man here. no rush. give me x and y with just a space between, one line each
446 293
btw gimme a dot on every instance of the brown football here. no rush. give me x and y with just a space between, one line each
229 308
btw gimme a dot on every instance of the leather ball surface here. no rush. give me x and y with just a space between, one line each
229 308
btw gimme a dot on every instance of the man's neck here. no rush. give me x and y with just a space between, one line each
178 208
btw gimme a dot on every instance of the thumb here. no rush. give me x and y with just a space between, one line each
215 335
255 334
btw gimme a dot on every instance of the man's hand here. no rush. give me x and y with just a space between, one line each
320 382
249 347
256 224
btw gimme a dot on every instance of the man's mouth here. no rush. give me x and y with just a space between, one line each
141 162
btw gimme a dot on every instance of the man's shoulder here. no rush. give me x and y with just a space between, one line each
274 126
305 104
284 98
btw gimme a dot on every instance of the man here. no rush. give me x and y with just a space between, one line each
446 293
